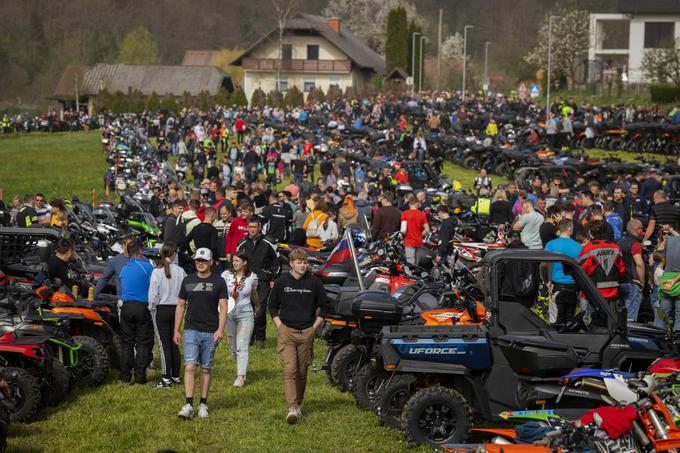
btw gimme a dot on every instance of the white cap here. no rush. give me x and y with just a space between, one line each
203 254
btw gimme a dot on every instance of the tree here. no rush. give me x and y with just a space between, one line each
153 102
452 47
136 102
413 28
367 19
103 100
119 102
396 50
222 60
238 98
316 95
186 100
663 64
222 97
258 98
138 47
334 93
570 42
203 101
294 97
169 103
275 99
283 9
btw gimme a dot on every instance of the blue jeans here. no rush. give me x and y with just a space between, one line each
631 295
655 302
668 305
240 323
199 348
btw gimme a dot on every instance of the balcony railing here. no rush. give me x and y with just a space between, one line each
296 65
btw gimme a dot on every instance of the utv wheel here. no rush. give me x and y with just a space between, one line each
25 391
345 364
436 415
58 384
470 162
367 380
502 169
93 362
392 397
115 351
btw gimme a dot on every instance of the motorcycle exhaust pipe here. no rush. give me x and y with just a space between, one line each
592 383
658 425
641 436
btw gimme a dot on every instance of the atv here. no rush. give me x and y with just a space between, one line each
445 377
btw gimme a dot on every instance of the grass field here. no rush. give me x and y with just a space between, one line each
120 418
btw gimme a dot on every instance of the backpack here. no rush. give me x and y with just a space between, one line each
181 232
313 227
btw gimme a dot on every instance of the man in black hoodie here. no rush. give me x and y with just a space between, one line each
297 305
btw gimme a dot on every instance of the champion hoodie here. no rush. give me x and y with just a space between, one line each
296 301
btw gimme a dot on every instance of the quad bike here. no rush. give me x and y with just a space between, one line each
443 376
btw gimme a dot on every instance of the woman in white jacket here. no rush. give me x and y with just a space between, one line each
166 281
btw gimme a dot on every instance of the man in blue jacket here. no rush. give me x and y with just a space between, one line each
135 317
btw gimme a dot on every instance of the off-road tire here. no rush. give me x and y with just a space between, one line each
471 162
345 364
391 399
429 407
57 384
365 384
26 393
93 362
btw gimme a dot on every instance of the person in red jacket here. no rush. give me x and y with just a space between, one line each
238 228
240 127
603 261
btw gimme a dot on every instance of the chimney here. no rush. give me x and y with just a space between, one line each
334 24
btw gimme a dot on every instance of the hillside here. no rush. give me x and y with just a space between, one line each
41 37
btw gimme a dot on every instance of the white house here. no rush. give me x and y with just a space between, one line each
619 41
315 52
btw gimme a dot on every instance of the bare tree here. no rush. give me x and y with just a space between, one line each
283 10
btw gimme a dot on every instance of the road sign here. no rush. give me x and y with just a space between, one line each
522 91
535 91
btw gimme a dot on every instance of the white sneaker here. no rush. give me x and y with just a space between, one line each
240 381
292 416
202 410
187 411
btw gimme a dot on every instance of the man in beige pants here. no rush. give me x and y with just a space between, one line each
297 306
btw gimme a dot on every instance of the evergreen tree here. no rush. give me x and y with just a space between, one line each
275 99
238 98
259 98
153 102
168 103
396 51
294 97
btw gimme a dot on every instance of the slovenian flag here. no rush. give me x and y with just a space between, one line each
340 253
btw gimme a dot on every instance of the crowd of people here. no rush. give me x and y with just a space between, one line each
258 179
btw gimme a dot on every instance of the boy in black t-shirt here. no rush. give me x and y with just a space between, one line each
205 297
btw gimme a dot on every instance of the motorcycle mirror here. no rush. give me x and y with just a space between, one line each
381 252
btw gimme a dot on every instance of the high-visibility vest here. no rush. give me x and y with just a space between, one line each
482 206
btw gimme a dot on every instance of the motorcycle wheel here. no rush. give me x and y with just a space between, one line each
436 415
470 162
25 393
392 397
58 384
345 364
93 362
367 380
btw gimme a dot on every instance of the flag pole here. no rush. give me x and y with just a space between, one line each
348 236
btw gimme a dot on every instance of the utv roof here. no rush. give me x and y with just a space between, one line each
493 257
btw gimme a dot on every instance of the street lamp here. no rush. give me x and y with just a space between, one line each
413 62
422 53
465 29
547 91
486 62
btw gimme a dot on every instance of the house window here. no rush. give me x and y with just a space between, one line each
312 51
309 84
283 85
659 34
286 51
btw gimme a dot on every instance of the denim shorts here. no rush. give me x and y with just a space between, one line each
199 348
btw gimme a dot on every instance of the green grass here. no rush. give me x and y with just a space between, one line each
59 165
118 417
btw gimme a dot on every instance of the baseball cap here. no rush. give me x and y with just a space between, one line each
203 254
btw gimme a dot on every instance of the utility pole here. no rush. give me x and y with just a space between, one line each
547 91
422 58
77 94
486 61
439 50
413 62
465 29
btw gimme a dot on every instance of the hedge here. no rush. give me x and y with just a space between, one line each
665 93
